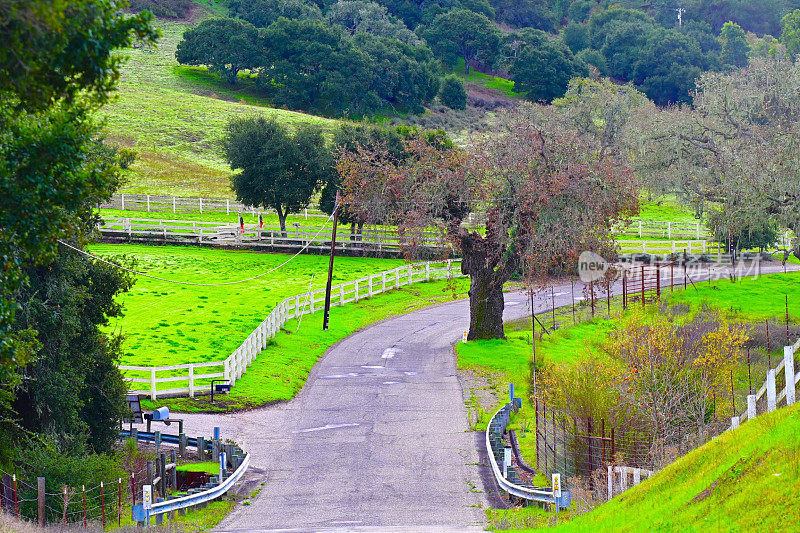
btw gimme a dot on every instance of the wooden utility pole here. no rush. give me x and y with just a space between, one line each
330 265
533 344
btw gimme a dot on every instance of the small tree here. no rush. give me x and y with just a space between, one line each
545 193
463 33
543 68
734 45
225 45
280 170
452 93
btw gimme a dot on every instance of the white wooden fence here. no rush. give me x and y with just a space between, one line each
379 238
670 247
661 228
152 203
774 399
236 364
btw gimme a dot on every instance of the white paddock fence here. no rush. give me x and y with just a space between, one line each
152 203
670 247
188 377
377 238
767 399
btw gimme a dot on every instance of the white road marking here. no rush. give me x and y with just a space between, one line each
388 353
326 426
512 304
410 373
372 367
391 382
560 293
339 376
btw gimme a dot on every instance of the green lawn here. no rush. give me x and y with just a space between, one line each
173 117
501 85
166 323
665 209
280 371
270 219
209 467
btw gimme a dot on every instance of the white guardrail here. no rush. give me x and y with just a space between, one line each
494 430
236 364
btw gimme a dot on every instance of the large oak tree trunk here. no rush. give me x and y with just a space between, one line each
486 306
482 263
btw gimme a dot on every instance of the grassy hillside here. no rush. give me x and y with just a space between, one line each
174 118
746 480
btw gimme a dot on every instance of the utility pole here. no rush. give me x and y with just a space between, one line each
330 265
533 342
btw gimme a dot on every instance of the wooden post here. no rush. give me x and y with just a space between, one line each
642 285
533 343
536 422
119 502
672 274
201 447
173 478
16 498
769 351
749 376
133 488
41 496
330 267
788 340
64 515
771 396
788 367
85 522
591 286
572 290
553 303
103 504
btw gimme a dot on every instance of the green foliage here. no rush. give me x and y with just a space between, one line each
464 34
280 170
262 13
360 16
576 36
452 93
225 45
525 14
669 82
72 392
593 58
175 9
734 45
543 68
790 35
56 67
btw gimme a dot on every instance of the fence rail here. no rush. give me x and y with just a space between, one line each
236 364
152 203
671 247
378 238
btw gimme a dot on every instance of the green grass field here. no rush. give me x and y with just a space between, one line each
173 117
501 85
280 371
166 323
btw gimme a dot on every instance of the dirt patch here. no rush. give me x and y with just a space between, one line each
479 394
706 493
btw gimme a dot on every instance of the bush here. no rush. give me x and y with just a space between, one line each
452 93
125 158
175 9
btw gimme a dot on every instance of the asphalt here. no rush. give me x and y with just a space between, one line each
378 439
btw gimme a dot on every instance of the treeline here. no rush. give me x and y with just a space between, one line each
358 57
342 64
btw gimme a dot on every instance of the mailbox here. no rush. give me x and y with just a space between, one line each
162 413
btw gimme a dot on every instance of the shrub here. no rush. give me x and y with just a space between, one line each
452 93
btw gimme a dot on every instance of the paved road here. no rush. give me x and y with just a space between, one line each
377 439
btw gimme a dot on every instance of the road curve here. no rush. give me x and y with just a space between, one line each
377 439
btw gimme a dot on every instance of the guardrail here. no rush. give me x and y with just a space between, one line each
494 433
142 514
236 364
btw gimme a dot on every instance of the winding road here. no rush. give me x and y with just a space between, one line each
378 439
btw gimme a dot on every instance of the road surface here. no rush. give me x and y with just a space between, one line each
378 439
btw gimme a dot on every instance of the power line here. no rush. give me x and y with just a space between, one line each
88 254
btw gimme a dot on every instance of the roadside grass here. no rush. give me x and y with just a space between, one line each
209 467
280 371
168 324
174 117
744 480
667 208
748 300
194 521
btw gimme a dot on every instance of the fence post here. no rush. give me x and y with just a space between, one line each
153 384
751 406
640 229
40 494
191 381
201 448
669 230
201 206
771 403
148 203
428 271
228 206
122 196
173 478
173 205
734 422
610 474
103 504
788 367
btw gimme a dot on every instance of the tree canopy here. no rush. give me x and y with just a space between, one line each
280 169
545 195
464 34
227 46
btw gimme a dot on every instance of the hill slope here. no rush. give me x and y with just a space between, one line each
745 480
173 117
